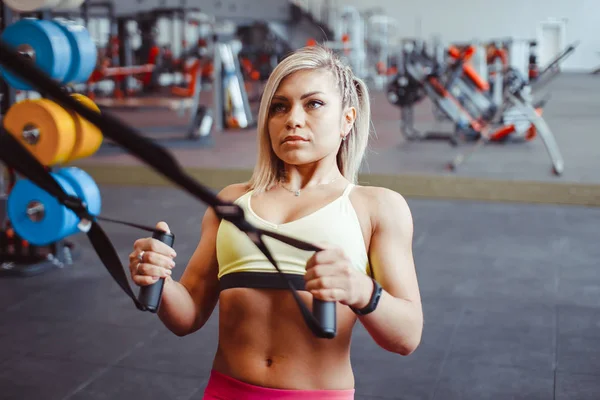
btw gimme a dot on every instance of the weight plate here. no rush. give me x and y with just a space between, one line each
84 186
43 127
30 5
37 216
44 43
404 91
88 138
84 54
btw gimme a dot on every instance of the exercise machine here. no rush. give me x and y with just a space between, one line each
479 110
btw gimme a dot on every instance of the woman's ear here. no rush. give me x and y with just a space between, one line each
348 118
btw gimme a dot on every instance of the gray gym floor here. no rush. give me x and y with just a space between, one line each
511 296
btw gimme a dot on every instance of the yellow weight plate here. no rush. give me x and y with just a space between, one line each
44 128
88 138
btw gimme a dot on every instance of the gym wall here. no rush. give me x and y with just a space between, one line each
465 20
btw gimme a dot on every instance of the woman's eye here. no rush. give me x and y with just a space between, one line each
281 108
315 104
277 107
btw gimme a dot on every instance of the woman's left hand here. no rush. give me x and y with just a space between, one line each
330 277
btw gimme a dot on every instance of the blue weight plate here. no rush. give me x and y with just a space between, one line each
49 45
85 187
83 51
55 223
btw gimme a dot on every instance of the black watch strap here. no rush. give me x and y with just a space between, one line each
372 305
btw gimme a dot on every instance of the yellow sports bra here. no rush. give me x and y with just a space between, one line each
241 263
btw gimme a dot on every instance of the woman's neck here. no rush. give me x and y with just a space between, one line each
295 178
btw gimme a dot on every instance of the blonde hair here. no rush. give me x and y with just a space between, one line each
354 93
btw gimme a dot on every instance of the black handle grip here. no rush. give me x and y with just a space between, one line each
150 295
324 313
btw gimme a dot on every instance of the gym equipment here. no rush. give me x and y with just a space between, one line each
199 120
533 67
36 5
83 51
51 133
84 186
54 136
44 44
437 83
479 110
362 38
551 71
60 48
19 257
262 49
379 29
69 4
542 129
404 90
472 89
321 321
150 295
236 108
350 34
31 5
88 138
39 218
139 86
231 107
44 128
518 102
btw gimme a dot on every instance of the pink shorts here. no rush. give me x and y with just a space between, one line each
223 387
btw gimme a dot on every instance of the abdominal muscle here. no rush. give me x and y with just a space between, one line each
264 341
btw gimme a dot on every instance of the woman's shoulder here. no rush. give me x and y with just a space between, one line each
234 191
381 202
378 193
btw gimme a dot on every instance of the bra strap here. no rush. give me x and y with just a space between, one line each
245 198
348 189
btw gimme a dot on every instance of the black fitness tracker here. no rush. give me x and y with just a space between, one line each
372 305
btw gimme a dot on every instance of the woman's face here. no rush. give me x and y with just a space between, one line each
306 122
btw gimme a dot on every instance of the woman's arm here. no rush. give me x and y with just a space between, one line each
188 304
397 323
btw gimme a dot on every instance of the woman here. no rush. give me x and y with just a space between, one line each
313 127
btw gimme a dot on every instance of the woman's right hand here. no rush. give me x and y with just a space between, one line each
151 259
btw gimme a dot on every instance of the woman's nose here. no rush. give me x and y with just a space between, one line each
295 118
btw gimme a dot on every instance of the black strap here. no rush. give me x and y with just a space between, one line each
260 280
18 158
148 152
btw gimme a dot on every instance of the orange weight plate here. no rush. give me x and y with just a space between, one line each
44 128
88 138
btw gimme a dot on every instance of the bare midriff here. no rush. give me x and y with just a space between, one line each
264 341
